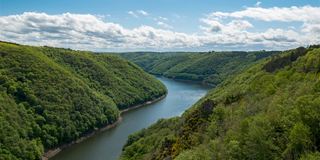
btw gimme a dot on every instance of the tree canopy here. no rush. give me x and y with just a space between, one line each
268 111
207 67
50 96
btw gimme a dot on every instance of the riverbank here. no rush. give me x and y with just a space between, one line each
202 82
52 152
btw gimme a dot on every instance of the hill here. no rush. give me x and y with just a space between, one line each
51 96
207 67
269 111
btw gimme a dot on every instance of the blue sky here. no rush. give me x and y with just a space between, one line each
181 16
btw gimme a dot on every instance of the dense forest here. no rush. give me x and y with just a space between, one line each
207 67
50 96
269 111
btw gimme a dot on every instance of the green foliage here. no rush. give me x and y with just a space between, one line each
110 75
257 114
280 62
51 96
311 156
299 140
211 68
140 146
199 153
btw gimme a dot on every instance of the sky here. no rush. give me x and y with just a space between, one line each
161 25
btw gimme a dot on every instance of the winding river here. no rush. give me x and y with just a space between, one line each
108 144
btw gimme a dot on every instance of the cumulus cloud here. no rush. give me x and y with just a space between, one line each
138 13
219 30
86 32
237 25
212 25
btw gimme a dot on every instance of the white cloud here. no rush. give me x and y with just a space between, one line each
164 25
235 25
239 25
138 13
212 25
160 18
86 32
142 12
311 28
163 18
285 14
220 30
258 4
133 14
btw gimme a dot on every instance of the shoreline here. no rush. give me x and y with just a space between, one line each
52 152
187 80
143 104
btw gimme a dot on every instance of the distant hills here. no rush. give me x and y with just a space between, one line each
207 67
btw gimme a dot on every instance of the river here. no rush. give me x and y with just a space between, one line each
108 144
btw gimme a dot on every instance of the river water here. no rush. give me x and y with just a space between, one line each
108 144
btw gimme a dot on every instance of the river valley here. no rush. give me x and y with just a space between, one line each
108 144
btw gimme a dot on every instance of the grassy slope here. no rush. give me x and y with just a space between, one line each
50 96
270 111
212 68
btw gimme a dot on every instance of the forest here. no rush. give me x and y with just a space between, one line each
206 67
268 111
52 96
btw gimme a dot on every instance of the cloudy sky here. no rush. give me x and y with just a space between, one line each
161 25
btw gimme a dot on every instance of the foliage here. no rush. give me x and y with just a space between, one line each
257 114
207 67
51 96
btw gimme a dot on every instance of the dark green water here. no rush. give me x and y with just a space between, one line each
108 145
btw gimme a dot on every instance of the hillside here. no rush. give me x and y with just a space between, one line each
269 111
207 67
50 96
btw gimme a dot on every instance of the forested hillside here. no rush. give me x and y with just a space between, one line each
269 111
50 96
207 67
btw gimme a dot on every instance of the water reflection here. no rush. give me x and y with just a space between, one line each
108 145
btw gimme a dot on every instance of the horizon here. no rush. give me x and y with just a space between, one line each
161 26
151 51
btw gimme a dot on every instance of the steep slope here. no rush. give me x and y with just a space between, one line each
111 75
207 67
270 111
50 96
